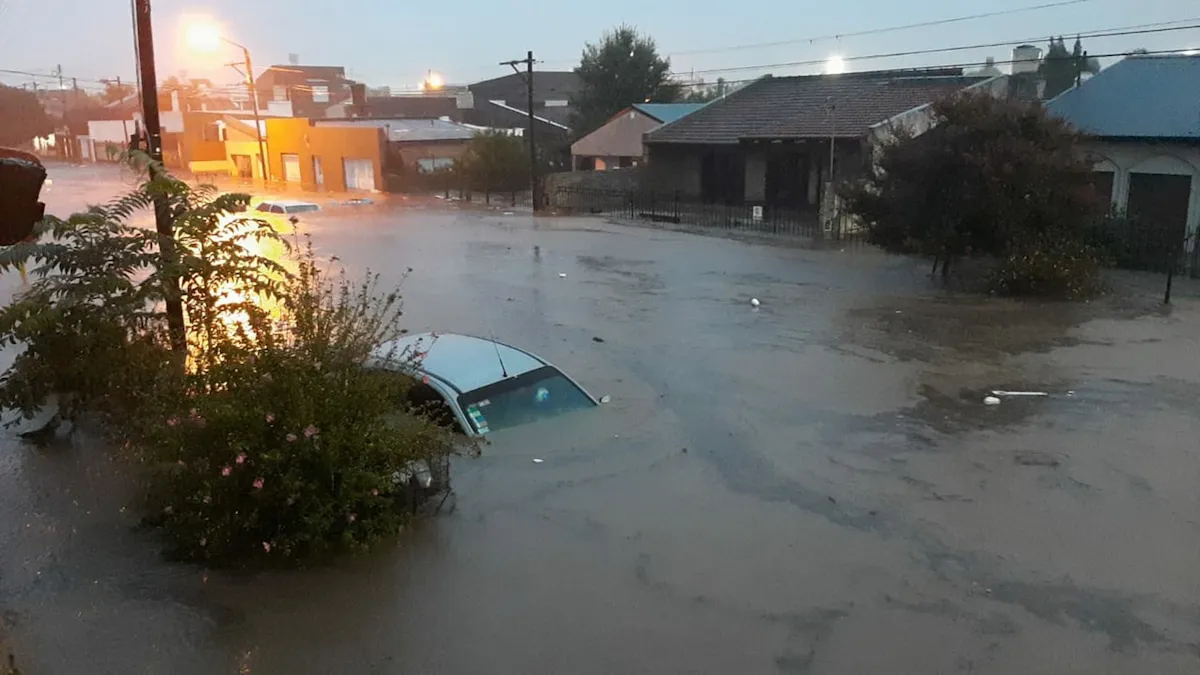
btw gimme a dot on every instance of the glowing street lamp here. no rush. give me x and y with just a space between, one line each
433 82
835 65
207 37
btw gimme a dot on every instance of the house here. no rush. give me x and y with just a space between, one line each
781 141
422 146
310 155
618 143
553 92
1143 114
312 90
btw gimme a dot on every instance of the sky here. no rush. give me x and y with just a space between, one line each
395 43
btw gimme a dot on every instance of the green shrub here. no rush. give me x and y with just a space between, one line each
266 436
284 445
1049 264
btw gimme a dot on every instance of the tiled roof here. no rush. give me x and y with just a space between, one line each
1137 97
668 112
800 107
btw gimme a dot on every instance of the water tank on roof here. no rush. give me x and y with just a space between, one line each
1026 59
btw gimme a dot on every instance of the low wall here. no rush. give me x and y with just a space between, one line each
615 180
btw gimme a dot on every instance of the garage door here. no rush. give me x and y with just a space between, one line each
291 168
360 174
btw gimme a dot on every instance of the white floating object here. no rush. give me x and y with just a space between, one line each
1019 393
538 461
605 399
991 400
754 302
508 213
562 275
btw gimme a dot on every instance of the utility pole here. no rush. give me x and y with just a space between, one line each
162 215
258 124
534 185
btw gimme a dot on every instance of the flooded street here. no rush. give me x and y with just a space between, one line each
811 487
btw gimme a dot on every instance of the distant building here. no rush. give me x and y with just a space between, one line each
772 142
618 142
312 91
1141 116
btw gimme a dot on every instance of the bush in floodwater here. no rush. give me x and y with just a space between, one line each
266 436
285 446
1049 264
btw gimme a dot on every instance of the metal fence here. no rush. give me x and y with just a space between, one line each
671 208
1132 244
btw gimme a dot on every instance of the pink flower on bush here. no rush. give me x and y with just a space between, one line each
172 421
241 458
258 483
374 493
270 418
267 547
310 431
350 518
291 438
225 471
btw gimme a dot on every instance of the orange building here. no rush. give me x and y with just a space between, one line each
325 158
299 154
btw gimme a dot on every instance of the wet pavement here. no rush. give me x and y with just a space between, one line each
811 487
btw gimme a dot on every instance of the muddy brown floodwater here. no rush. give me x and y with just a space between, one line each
811 487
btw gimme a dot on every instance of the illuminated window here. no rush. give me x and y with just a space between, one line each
320 93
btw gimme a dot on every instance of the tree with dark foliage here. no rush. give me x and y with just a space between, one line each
24 118
989 175
622 69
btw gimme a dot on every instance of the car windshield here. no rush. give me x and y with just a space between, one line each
536 395
303 208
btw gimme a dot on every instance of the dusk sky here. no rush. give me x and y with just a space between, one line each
384 42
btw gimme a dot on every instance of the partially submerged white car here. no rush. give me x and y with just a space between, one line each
485 385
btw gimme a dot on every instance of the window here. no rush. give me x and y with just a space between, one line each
302 208
320 93
535 395
280 93
212 132
430 165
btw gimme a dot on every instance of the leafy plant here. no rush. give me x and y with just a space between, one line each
287 446
267 435
623 68
1047 264
988 174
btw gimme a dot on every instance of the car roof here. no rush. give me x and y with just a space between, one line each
462 361
288 202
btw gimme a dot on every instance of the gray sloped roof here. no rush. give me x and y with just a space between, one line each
800 107
1137 97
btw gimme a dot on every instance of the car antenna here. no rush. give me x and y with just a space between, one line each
503 370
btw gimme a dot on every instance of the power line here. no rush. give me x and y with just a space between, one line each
888 29
917 71
940 50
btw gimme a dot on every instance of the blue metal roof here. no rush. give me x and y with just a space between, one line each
1138 97
668 112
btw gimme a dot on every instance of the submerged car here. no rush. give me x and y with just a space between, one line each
485 385
289 207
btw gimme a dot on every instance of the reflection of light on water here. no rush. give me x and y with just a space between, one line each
232 296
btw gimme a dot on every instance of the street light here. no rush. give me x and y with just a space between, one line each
208 38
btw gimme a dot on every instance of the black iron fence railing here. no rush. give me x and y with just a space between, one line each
671 208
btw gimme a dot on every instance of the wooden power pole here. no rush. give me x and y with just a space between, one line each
153 126
534 183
